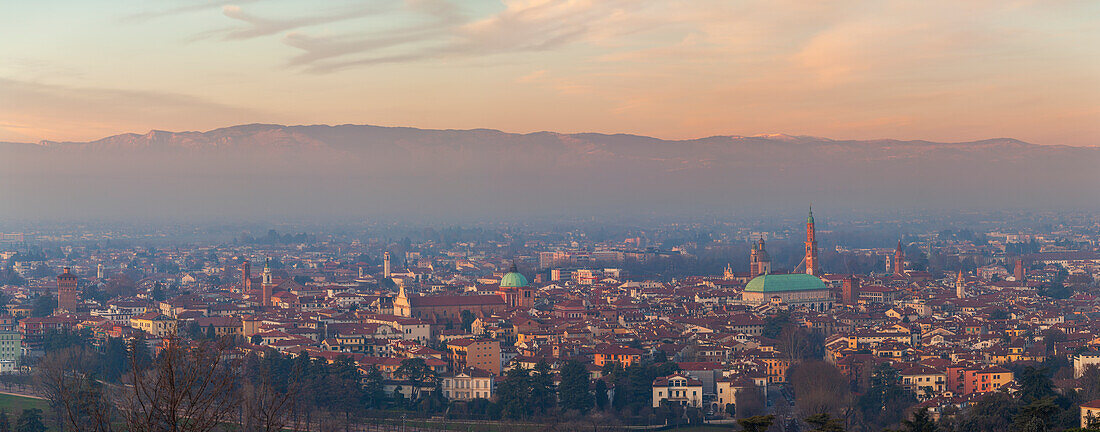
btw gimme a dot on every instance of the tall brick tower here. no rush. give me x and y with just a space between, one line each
67 292
899 260
811 246
1018 272
246 276
850 290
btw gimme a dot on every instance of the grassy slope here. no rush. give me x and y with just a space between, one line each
14 405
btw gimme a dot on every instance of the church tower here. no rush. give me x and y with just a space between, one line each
899 260
960 286
759 261
386 269
267 284
811 247
1018 272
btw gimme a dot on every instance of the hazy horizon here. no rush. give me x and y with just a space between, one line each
271 172
774 134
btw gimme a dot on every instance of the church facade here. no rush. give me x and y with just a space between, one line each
514 292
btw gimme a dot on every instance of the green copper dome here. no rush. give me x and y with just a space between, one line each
784 282
513 279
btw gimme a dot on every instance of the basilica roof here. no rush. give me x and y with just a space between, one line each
784 282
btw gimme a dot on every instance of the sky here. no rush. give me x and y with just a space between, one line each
942 70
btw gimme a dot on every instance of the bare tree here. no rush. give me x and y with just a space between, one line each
750 402
187 389
820 389
67 379
264 408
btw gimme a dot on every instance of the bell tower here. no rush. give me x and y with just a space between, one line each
960 286
759 261
386 269
899 260
267 284
811 246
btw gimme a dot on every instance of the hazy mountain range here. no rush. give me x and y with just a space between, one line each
261 171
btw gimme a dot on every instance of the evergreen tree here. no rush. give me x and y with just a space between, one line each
512 393
43 306
757 423
599 393
468 319
574 388
373 391
5 422
825 423
30 421
921 422
1036 415
886 401
543 398
994 412
419 375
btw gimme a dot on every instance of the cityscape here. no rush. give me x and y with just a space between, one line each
615 327
549 216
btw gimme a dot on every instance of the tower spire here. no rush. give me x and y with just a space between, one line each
267 284
960 286
899 260
811 245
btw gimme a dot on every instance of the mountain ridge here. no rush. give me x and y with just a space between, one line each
303 170
156 135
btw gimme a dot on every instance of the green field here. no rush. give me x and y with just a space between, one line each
14 405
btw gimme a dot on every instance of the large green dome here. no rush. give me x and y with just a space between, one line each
785 282
513 279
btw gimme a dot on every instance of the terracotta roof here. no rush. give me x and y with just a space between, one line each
453 300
